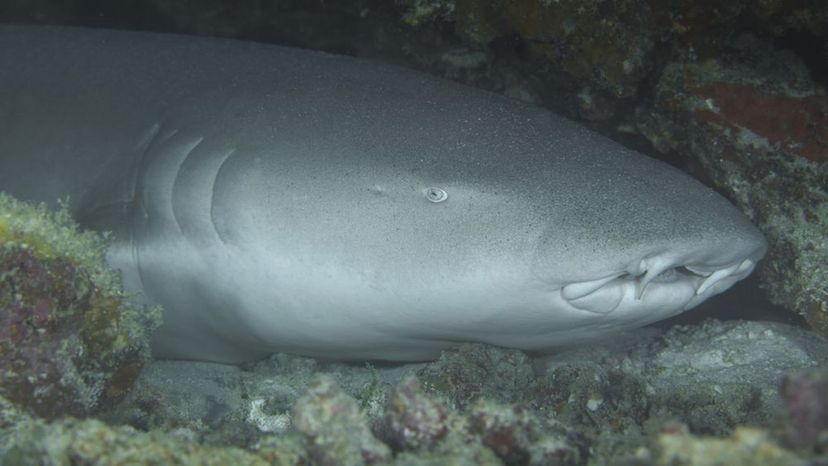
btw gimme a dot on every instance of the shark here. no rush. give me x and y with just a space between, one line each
274 199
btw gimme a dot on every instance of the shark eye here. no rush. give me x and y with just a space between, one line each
436 195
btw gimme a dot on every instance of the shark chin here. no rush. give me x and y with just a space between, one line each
272 199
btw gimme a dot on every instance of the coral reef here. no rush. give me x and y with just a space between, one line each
745 115
597 48
606 45
68 341
614 46
606 404
779 17
614 403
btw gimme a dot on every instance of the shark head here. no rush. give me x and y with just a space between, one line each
516 228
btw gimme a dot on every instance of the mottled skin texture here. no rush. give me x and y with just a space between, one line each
273 199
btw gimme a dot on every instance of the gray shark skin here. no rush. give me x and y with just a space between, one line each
275 199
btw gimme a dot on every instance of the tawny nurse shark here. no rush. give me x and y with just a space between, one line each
274 199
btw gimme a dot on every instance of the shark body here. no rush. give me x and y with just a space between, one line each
275 199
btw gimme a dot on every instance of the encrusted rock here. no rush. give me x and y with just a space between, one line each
335 429
518 436
413 419
806 400
471 371
68 341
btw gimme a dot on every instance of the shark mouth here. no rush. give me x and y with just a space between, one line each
656 282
